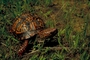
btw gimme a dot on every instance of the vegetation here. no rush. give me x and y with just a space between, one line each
70 17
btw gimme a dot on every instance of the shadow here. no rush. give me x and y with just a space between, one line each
51 42
88 38
31 43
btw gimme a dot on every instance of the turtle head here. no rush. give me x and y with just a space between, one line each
47 33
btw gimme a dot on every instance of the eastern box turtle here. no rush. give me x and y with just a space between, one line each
27 26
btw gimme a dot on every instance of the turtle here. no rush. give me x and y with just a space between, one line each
29 25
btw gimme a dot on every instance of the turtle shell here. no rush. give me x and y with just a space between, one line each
27 25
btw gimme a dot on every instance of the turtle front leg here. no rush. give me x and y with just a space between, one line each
23 48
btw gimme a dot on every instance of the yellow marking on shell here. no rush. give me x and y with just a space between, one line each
41 23
32 26
25 28
22 28
14 25
30 19
35 25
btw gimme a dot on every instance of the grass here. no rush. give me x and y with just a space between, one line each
71 18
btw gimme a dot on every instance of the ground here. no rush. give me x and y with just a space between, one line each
70 17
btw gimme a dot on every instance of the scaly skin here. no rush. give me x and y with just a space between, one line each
47 33
23 47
